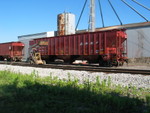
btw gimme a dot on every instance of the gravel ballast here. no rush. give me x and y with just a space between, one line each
139 81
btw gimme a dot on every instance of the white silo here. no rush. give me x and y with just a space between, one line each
66 24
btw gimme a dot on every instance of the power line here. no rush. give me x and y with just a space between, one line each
115 12
134 10
141 5
101 13
81 13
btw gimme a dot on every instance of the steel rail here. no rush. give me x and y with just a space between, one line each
82 68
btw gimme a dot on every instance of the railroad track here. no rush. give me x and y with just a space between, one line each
83 68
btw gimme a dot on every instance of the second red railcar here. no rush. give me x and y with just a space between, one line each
11 51
106 47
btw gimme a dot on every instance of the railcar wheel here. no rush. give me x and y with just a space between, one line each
2 58
110 64
116 63
101 63
71 61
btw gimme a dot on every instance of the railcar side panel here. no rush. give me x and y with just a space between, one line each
95 43
110 44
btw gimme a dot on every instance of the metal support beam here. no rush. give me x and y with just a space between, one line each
92 16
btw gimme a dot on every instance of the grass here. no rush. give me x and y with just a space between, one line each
32 94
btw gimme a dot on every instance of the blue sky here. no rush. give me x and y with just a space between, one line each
21 17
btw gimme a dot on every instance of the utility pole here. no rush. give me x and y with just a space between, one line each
92 16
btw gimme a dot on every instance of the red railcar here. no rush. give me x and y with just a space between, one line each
106 47
11 51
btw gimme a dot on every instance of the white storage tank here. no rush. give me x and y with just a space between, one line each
66 24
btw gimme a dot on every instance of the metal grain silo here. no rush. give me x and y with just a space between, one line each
66 24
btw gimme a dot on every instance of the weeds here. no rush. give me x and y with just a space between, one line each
32 94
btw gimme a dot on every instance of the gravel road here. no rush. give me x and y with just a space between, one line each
139 81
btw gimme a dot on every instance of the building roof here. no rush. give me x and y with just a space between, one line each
125 26
37 35
29 35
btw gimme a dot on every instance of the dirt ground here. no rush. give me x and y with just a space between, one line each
144 66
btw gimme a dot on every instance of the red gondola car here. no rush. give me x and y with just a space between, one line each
11 51
109 48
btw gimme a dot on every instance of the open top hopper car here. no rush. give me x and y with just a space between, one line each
108 48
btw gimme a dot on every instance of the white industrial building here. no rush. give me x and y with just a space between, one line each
26 38
138 42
